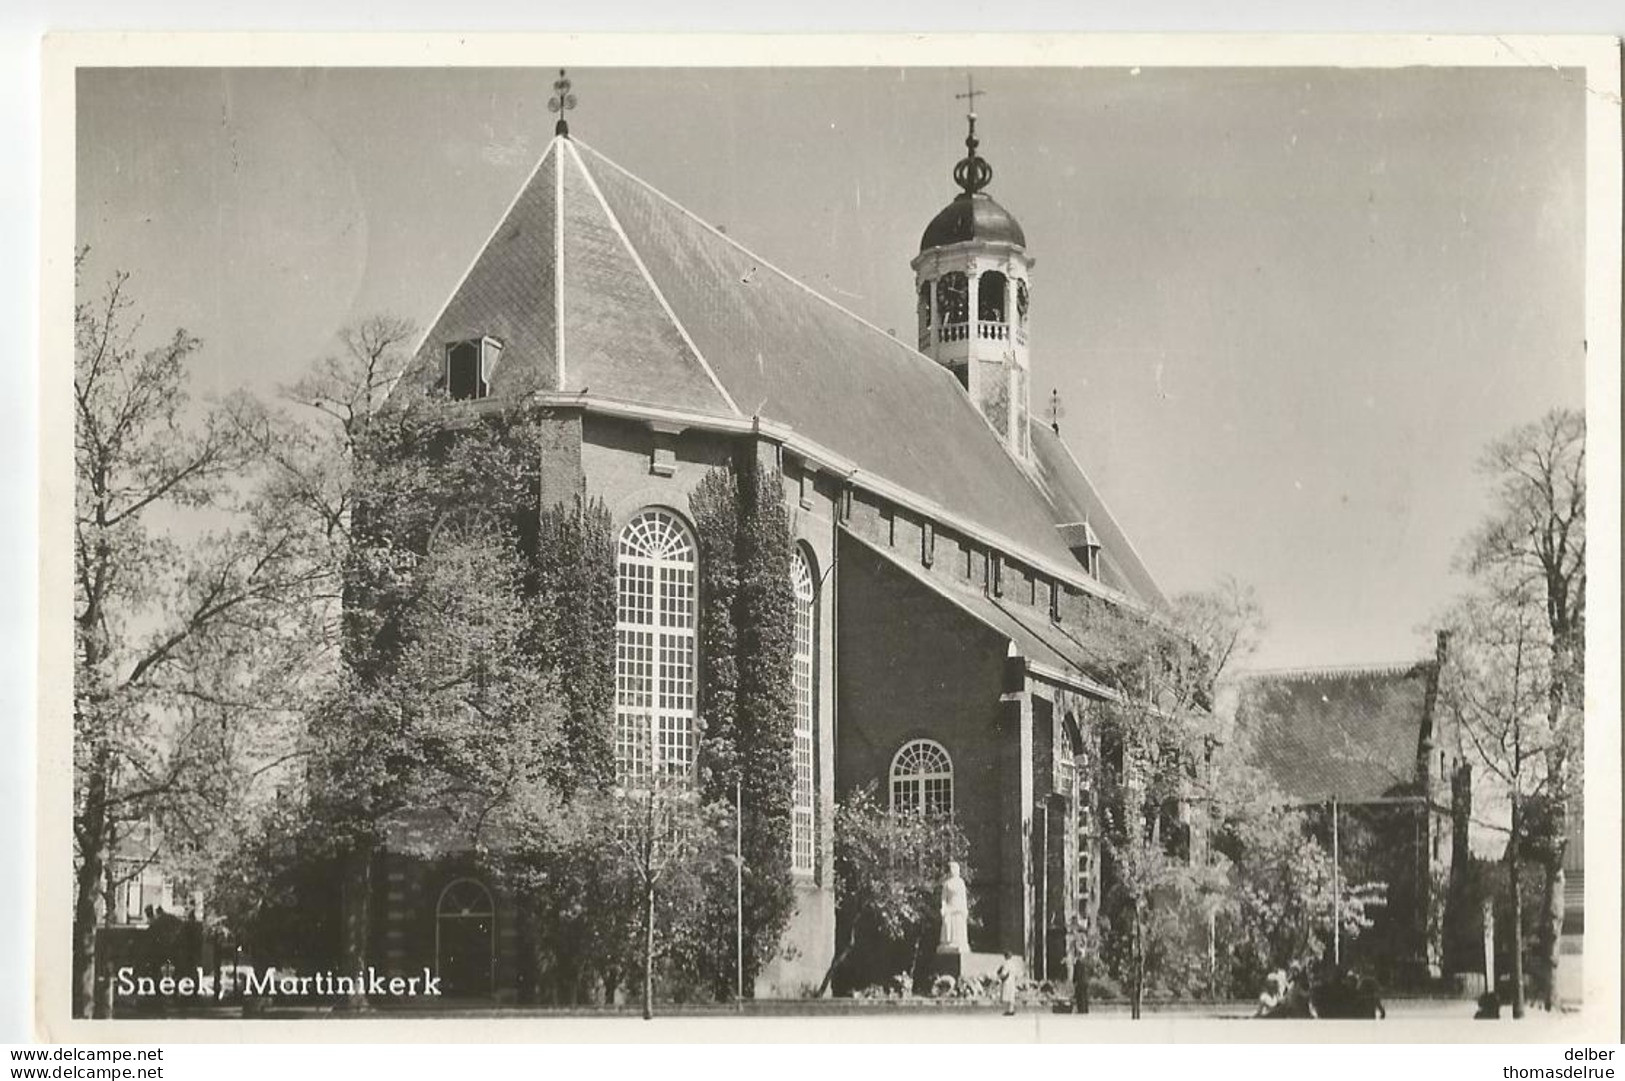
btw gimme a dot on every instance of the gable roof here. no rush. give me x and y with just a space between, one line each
1351 733
597 284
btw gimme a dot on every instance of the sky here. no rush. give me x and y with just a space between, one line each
1285 309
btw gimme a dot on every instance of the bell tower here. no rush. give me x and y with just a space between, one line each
971 284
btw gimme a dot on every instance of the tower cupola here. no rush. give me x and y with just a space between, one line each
973 295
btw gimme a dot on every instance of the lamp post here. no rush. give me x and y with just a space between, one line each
739 894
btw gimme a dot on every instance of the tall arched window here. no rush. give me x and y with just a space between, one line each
654 647
922 778
802 805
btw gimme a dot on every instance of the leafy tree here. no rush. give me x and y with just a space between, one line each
441 720
182 587
1155 740
666 841
1280 895
888 873
1194 836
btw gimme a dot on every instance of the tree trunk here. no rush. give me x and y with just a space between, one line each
649 951
91 830
1138 995
1551 923
846 951
1515 879
357 904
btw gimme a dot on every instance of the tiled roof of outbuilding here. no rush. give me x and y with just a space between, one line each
1350 733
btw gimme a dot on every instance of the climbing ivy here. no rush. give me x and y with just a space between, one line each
747 698
574 632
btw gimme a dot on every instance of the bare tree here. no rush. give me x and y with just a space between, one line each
1532 550
1496 687
181 583
1527 612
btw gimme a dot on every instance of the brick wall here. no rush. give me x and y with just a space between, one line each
913 665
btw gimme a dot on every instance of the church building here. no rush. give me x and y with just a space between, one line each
953 560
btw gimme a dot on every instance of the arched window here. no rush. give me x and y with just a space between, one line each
990 304
465 926
802 805
654 647
1022 301
953 298
922 778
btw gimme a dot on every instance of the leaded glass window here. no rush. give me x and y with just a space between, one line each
802 805
654 648
922 779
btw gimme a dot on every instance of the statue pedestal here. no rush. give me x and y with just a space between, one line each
965 965
949 961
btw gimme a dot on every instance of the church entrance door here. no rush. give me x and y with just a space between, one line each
464 935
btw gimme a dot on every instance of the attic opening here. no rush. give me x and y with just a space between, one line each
467 372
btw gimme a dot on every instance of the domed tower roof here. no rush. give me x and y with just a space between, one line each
973 215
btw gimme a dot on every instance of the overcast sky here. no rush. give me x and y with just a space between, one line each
1284 308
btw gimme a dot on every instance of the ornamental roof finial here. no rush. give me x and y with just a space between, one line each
972 173
561 101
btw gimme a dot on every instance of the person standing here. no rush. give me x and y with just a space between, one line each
1007 985
1080 979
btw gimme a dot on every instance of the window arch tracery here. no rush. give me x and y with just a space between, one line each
922 778
655 623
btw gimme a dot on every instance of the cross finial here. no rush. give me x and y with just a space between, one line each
969 97
1056 412
561 101
972 174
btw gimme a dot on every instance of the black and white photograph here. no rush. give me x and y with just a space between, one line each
980 539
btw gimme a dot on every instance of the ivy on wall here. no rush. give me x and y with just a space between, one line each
574 634
747 697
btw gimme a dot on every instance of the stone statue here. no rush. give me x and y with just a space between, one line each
955 913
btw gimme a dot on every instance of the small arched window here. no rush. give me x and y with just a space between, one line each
1022 301
953 298
802 809
922 779
990 302
654 647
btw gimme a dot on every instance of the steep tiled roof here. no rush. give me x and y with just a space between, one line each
597 283
1350 733
1074 501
